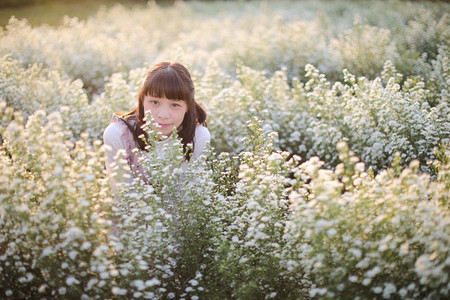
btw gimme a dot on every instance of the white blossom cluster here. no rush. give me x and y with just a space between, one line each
36 88
253 218
376 117
52 235
260 223
359 236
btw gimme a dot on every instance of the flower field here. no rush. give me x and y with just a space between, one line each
328 174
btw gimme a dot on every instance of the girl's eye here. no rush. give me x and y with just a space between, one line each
154 103
175 105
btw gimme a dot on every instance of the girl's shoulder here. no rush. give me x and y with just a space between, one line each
115 126
201 139
202 133
122 119
117 131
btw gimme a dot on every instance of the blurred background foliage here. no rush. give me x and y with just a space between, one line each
51 12
22 3
18 3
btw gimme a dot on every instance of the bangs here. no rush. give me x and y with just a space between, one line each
169 84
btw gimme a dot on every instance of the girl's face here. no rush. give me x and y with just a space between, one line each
167 113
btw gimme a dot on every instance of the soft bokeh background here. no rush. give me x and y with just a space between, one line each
50 12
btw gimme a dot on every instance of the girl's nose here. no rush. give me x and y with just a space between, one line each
163 113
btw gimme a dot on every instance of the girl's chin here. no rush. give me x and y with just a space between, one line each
166 132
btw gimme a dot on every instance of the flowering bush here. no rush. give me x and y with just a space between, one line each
119 95
282 226
252 220
36 88
376 117
363 49
355 235
52 239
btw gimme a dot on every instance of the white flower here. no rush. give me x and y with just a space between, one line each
243 260
377 290
322 224
71 280
360 167
73 233
152 282
47 251
86 245
363 263
73 254
356 252
91 283
42 288
118 291
193 282
389 289
124 272
373 272
403 292
382 247
139 284
331 232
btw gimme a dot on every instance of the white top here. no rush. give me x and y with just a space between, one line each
113 133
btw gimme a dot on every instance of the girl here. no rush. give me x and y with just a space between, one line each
168 92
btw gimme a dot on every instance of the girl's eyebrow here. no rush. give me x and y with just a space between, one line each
155 98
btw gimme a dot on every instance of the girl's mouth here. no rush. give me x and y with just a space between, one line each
163 125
